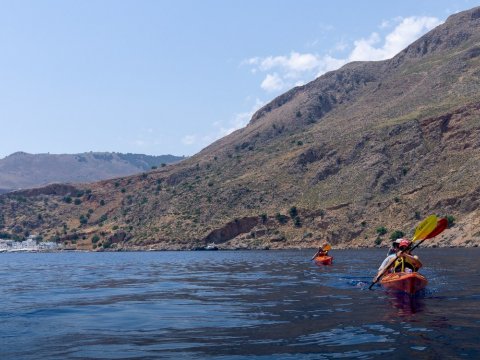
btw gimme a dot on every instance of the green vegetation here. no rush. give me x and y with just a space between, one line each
378 241
293 212
77 202
297 222
450 220
397 234
381 230
67 199
264 218
282 219
83 219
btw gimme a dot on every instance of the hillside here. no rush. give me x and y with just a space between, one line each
21 170
373 144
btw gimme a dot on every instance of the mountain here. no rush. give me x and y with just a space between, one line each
21 170
370 148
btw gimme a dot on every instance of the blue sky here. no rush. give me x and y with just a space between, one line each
158 77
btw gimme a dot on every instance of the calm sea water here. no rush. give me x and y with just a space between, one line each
233 305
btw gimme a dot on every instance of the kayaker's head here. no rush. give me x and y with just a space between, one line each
396 243
404 243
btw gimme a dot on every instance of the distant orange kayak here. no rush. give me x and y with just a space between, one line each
323 260
406 282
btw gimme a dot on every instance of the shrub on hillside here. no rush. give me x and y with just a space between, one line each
264 218
397 234
450 220
293 212
282 219
382 230
297 222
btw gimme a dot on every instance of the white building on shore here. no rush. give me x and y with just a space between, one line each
31 244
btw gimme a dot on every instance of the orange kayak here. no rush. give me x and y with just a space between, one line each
323 260
406 282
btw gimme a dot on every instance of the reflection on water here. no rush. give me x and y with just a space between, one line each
406 305
232 305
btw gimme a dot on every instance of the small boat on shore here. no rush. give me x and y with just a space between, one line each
409 283
323 260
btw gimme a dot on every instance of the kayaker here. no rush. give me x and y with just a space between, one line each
322 250
394 248
406 262
392 252
397 245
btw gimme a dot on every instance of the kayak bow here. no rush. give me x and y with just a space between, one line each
406 282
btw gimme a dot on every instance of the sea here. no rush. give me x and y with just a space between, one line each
274 304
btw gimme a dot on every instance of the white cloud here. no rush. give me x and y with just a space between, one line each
407 31
385 24
286 71
272 82
295 62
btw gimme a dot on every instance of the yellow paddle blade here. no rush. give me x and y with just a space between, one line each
326 247
425 228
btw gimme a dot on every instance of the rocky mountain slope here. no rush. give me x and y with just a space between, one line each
371 146
21 170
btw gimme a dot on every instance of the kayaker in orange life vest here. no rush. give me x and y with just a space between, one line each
397 245
322 250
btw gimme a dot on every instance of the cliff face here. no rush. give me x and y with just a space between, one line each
373 144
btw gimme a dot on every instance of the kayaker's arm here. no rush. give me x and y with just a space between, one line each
314 256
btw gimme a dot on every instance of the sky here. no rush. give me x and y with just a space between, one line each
170 77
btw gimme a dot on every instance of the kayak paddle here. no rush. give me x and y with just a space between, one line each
421 232
425 228
441 225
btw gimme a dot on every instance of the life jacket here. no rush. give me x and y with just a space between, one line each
406 261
